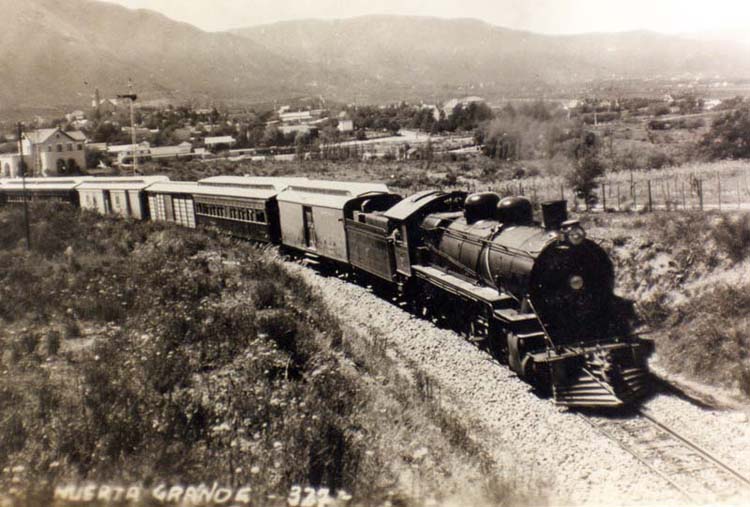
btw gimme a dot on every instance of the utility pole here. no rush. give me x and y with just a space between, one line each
22 169
132 96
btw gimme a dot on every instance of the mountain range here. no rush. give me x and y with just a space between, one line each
57 53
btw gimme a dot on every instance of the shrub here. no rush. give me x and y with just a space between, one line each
732 235
729 136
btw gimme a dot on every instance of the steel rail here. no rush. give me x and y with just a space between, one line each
629 449
702 452
651 419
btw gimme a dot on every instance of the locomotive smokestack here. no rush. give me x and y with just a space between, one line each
554 213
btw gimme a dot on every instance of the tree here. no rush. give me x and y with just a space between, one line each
586 168
729 136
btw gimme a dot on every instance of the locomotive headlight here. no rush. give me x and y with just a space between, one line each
576 235
576 282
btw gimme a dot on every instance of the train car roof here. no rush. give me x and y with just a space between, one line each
259 182
33 184
121 183
412 204
329 194
193 188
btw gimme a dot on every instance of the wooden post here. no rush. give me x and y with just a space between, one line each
22 170
604 197
700 194
650 202
562 192
684 201
619 208
718 184
634 191
739 197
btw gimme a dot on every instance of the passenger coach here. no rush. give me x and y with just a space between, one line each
249 213
43 189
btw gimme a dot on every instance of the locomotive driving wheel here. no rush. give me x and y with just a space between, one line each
515 357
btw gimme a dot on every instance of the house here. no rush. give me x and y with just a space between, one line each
52 152
219 142
106 106
345 126
435 110
181 150
75 115
298 116
124 152
710 104
10 164
449 106
296 129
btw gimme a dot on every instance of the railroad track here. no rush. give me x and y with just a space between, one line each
697 474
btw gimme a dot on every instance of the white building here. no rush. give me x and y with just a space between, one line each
449 106
52 152
213 142
10 164
345 126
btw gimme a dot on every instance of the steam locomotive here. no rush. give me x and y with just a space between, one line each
538 296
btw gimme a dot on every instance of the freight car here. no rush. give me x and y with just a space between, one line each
123 196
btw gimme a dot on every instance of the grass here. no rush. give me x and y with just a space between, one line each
144 353
686 273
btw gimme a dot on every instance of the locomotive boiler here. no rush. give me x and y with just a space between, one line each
556 319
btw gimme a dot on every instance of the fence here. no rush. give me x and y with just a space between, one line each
720 186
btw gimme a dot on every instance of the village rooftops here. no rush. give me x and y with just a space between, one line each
41 135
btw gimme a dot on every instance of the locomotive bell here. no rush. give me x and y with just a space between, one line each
480 206
514 210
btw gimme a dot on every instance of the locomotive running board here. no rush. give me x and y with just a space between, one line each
462 288
587 390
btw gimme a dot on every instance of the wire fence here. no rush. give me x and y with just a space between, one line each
719 186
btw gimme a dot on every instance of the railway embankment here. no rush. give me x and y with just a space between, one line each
138 355
689 275
527 436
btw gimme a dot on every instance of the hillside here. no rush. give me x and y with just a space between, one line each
54 54
430 52
57 53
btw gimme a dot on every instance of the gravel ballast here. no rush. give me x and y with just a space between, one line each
528 436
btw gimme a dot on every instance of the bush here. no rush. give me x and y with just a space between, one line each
732 235
729 136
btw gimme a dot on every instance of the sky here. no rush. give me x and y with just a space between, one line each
545 16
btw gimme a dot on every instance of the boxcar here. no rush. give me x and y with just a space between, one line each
124 196
248 213
312 214
43 189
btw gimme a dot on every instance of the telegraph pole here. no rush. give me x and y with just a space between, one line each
22 169
132 96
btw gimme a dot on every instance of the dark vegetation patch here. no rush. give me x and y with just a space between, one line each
142 353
